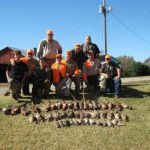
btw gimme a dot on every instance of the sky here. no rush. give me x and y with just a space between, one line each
23 24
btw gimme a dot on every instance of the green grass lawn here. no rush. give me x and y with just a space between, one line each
17 133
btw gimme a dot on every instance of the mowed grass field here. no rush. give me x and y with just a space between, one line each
17 133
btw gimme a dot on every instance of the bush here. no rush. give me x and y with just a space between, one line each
126 62
132 68
138 69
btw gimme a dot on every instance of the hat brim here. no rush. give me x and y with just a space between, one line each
90 52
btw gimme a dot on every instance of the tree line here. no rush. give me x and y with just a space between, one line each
131 68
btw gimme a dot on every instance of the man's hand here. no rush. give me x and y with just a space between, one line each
12 62
67 75
73 75
107 76
9 80
70 76
117 77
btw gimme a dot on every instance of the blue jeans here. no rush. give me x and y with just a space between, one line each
113 85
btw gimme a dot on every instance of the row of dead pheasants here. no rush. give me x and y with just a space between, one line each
83 105
74 113
70 117
12 110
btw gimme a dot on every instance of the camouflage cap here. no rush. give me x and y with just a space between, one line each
90 51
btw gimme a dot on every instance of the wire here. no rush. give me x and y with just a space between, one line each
130 30
79 26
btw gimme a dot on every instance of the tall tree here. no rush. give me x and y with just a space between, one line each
126 62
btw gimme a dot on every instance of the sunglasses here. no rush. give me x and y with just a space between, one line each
50 34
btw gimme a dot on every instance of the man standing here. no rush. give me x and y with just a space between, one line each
15 74
91 71
60 79
88 45
110 77
72 71
32 64
48 48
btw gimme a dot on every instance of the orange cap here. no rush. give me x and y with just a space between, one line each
30 51
50 32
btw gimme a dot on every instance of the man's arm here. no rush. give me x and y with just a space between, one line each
59 48
118 73
8 72
97 51
77 71
84 70
40 50
7 75
24 76
25 71
101 71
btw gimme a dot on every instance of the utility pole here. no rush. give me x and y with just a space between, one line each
104 10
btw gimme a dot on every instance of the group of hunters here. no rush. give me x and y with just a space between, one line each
81 66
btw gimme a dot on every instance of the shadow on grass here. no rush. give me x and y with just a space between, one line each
91 95
129 92
24 102
94 95
25 97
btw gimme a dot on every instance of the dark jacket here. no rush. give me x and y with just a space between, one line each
110 69
79 58
86 48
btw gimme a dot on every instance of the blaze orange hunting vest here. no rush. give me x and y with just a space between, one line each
59 70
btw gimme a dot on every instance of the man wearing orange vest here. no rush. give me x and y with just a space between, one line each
91 71
60 79
73 71
32 64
